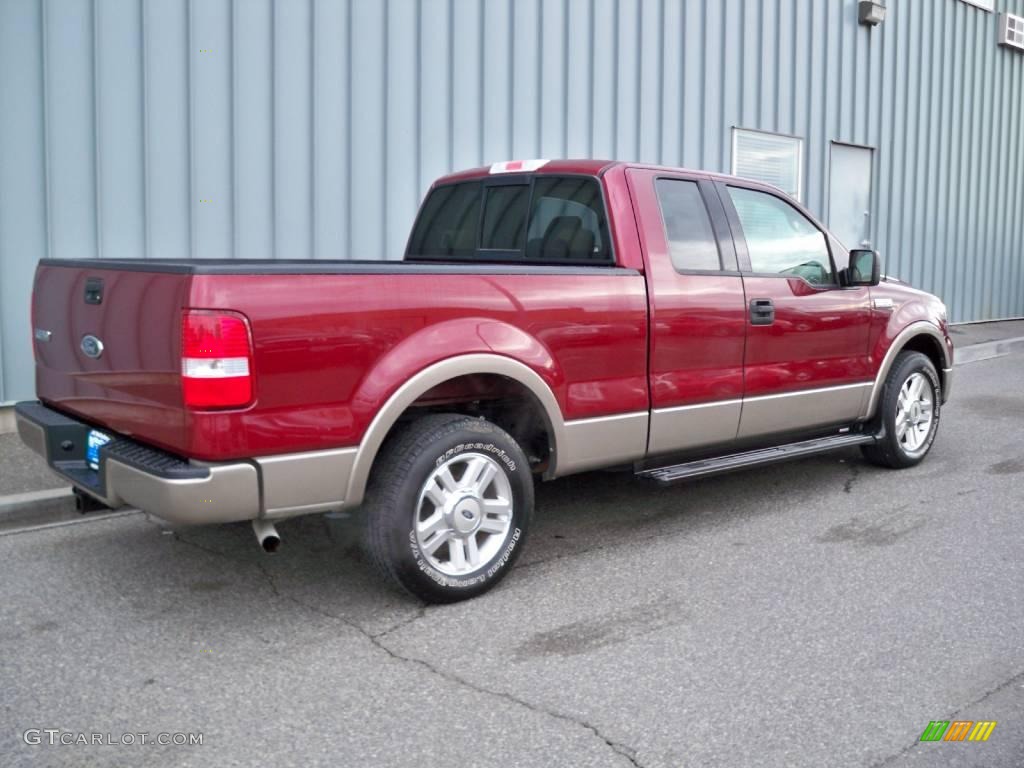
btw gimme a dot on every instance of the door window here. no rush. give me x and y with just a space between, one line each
780 239
691 241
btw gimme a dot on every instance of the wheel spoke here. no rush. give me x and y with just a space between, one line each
493 525
430 545
485 478
901 429
457 553
916 383
472 551
431 525
444 477
498 506
435 494
478 475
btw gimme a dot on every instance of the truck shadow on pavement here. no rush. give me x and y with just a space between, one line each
321 559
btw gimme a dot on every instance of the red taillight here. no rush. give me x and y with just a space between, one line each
216 359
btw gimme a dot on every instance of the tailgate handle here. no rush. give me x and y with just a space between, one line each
94 290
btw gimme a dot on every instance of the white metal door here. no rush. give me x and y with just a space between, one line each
849 195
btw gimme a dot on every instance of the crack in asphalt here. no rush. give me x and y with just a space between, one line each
376 639
420 613
953 716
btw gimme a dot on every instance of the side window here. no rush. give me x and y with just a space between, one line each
567 221
780 239
505 217
448 223
691 241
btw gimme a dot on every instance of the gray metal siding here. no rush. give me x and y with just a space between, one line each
311 128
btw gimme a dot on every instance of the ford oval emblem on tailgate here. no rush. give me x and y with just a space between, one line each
91 346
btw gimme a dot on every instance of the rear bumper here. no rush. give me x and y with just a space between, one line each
130 473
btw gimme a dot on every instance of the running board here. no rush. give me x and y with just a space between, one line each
704 467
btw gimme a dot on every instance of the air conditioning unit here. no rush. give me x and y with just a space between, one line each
1011 31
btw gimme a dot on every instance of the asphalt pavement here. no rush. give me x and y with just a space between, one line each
817 613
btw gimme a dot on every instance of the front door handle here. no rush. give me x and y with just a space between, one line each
762 312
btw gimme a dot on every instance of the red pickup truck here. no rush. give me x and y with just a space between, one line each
549 317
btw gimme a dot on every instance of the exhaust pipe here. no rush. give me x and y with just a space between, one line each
267 535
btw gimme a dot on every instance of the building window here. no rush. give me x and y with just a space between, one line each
985 5
769 157
1011 30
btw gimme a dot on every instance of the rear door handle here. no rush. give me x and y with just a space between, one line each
762 312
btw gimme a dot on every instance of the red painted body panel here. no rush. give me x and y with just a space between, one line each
819 337
909 306
136 383
698 321
331 348
327 362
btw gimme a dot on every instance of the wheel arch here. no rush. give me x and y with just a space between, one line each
921 336
440 373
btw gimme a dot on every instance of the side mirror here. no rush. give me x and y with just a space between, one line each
865 268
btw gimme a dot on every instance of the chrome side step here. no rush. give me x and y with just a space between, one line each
717 465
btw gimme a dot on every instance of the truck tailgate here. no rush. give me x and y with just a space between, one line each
107 348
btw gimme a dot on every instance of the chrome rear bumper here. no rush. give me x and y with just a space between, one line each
133 474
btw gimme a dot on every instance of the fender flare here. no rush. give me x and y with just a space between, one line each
917 328
430 377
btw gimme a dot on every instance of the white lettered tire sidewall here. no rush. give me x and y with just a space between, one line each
888 452
928 370
394 494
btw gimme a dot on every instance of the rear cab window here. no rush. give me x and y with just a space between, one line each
536 219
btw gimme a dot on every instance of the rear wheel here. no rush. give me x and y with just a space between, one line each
909 413
448 507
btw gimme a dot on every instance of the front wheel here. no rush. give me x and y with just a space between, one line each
448 507
909 412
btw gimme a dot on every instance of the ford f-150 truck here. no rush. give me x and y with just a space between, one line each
549 317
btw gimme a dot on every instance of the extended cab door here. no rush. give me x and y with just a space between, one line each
697 310
806 362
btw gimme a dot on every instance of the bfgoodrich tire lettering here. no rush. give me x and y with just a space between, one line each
448 507
911 400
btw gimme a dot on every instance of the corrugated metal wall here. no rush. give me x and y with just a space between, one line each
311 128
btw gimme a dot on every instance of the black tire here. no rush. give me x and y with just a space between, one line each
890 450
394 505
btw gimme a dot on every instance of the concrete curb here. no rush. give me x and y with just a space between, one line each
32 511
989 350
37 507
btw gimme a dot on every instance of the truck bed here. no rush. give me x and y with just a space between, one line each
332 340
